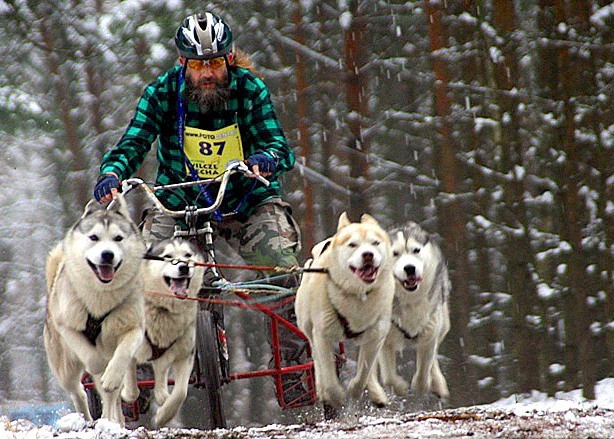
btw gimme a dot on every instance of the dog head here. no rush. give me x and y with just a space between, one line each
362 250
104 240
172 267
410 249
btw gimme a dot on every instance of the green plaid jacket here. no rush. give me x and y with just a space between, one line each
249 105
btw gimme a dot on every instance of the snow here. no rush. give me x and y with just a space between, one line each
566 414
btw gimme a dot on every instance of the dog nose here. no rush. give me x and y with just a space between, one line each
410 270
107 257
367 256
184 270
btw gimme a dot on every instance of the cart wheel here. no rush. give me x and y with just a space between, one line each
208 367
94 403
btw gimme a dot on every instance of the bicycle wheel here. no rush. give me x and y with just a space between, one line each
94 403
208 367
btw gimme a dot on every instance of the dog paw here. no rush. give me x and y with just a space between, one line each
130 394
111 379
400 386
378 397
420 385
355 389
162 417
333 396
161 396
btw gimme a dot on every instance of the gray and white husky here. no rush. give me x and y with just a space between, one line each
170 277
95 312
420 315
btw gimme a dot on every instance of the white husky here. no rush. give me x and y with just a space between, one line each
353 300
95 317
170 323
420 316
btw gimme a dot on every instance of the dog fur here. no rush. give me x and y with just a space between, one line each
353 300
420 316
95 313
170 323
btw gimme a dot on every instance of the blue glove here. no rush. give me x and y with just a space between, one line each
105 183
264 162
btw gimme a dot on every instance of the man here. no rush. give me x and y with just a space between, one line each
210 109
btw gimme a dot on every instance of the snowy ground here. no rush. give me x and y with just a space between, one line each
567 416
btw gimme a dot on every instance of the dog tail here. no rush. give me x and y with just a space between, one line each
54 260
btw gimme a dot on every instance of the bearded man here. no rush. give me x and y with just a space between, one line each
207 110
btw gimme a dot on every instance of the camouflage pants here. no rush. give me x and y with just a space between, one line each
269 237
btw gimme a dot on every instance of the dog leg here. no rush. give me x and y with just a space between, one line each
388 370
377 394
81 348
161 368
328 387
425 356
130 392
440 386
182 370
367 356
125 351
68 370
111 404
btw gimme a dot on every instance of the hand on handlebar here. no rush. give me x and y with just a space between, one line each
261 165
106 188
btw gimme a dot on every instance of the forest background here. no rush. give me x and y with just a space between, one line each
488 122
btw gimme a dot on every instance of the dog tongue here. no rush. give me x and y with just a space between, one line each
179 287
367 273
106 272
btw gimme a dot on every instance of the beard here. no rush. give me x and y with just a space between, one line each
208 99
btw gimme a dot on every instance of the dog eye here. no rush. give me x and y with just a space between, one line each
188 255
118 238
416 251
94 238
395 253
352 245
376 243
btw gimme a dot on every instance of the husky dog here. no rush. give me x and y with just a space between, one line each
170 276
95 311
420 315
352 301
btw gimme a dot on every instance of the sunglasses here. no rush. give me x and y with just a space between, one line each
200 64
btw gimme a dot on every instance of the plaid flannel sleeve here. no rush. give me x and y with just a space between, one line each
265 131
128 155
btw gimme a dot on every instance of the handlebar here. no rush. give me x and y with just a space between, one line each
232 167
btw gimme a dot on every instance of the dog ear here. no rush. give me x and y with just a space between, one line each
343 221
120 206
366 218
91 207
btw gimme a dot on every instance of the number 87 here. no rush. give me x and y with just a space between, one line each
206 148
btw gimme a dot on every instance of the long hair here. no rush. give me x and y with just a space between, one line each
243 60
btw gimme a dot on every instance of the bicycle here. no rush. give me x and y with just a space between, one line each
212 366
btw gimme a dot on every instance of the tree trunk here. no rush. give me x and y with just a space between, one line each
308 229
356 84
449 213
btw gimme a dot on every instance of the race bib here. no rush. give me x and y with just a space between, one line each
210 151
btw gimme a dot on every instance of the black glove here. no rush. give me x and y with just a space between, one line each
105 183
264 162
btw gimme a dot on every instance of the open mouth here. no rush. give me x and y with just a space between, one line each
411 283
178 285
104 272
367 273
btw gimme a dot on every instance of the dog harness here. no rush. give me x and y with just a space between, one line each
347 331
93 326
404 332
157 351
